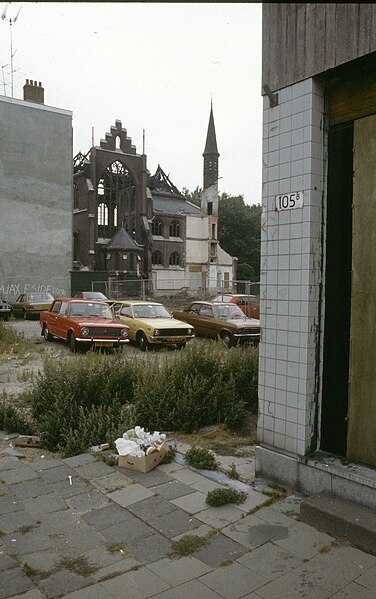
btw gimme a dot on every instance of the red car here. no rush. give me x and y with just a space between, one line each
83 324
249 304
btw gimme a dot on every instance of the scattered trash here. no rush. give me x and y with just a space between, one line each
27 441
99 448
70 479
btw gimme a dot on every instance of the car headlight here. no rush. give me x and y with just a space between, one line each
156 332
190 331
85 331
124 332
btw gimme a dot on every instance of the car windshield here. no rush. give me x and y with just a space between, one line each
228 311
89 309
150 311
41 297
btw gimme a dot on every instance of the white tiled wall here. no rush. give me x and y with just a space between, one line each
293 160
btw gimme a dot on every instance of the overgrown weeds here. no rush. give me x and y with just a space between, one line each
201 458
13 345
94 398
219 497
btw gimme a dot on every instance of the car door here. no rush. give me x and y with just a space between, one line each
208 326
125 315
52 319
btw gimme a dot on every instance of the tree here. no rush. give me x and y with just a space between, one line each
239 233
193 196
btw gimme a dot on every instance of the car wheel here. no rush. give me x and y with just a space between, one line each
46 333
72 343
227 339
25 315
142 342
180 345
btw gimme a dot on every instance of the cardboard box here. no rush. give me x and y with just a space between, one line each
145 463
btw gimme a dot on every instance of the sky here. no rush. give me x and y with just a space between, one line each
155 67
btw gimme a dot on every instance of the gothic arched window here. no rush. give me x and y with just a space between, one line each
174 228
157 227
157 258
116 189
174 259
102 214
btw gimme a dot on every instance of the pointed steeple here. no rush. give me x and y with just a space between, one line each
211 139
211 153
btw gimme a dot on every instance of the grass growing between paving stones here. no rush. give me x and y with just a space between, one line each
219 497
114 548
79 565
13 345
233 473
187 545
202 459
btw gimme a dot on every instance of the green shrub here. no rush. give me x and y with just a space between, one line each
219 497
242 363
12 420
201 458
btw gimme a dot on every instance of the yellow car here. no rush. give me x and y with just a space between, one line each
151 324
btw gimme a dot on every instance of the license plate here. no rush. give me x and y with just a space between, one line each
174 339
103 344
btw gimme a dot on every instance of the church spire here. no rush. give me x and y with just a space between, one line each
211 153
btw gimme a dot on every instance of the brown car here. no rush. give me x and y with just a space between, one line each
220 321
249 304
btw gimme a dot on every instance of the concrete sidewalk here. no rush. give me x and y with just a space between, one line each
81 529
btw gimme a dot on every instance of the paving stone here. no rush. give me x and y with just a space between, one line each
202 530
85 502
233 581
292 587
10 503
63 582
18 475
101 557
254 499
130 494
252 532
32 488
92 592
170 468
14 453
149 550
303 540
84 537
289 506
272 516
179 571
14 581
57 473
34 594
111 482
138 584
6 561
69 487
187 476
218 550
4 489
270 561
116 569
192 503
173 490
43 464
106 517
150 479
9 463
152 507
174 523
80 460
58 522
188 590
217 517
15 520
44 504
42 561
128 531
22 544
204 485
354 591
94 470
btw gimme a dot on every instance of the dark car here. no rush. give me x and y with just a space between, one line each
249 304
32 304
5 310
220 321
92 295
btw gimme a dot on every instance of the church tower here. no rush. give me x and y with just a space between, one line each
210 154
209 195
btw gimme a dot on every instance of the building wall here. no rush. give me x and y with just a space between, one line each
36 198
301 40
294 152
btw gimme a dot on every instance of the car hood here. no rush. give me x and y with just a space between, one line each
162 323
93 321
242 322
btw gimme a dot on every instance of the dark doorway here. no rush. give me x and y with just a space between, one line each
337 289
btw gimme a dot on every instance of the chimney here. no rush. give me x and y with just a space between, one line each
33 92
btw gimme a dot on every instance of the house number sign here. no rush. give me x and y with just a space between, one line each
288 201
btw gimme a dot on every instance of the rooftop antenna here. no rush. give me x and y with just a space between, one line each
11 23
4 84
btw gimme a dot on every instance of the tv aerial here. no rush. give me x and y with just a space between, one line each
11 21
